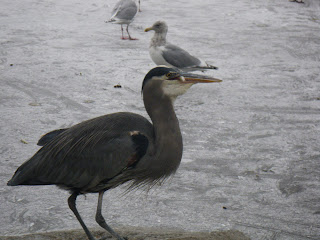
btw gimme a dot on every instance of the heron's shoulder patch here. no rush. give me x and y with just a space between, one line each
141 143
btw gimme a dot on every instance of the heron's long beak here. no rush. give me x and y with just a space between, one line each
148 29
196 78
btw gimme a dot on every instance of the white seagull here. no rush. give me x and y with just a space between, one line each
123 13
164 53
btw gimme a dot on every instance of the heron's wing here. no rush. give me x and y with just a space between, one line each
178 57
88 153
48 137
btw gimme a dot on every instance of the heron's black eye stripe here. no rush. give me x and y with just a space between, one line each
170 75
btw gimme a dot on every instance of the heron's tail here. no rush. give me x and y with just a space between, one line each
25 174
11 183
16 179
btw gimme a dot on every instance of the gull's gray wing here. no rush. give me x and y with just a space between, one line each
125 10
178 57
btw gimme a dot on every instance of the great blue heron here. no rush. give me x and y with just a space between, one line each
123 13
105 152
164 53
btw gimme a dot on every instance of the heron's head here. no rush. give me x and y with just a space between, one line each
158 27
171 82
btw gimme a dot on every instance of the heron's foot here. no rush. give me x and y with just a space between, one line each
124 38
130 38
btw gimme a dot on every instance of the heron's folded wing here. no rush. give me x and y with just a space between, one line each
48 137
87 153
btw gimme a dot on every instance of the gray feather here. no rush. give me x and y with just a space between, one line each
178 57
85 154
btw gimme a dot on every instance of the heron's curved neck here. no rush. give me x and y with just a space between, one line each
158 39
168 140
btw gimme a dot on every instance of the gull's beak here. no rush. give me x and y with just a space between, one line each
197 78
148 29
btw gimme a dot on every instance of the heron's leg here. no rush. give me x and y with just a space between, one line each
139 6
72 206
129 33
100 219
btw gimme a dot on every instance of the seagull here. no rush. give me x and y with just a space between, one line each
164 53
123 13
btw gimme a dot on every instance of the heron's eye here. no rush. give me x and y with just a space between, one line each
170 75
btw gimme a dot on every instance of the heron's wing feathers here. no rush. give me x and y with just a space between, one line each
88 153
178 57
48 137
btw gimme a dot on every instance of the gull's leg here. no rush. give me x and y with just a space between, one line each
129 34
72 206
122 37
100 219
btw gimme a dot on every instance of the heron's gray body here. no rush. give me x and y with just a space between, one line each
97 155
87 156
164 53
104 152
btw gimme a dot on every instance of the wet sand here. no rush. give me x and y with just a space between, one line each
135 234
